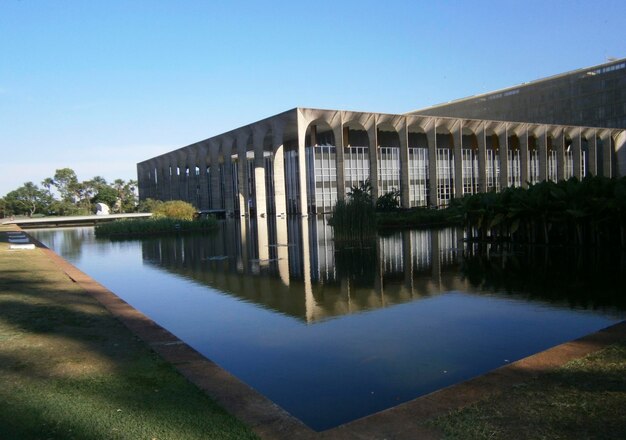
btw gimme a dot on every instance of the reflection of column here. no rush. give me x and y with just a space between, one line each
380 270
244 234
407 257
523 153
436 257
309 300
282 249
262 241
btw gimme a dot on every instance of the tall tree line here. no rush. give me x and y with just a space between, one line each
64 194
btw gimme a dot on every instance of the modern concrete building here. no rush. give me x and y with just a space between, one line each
304 160
594 96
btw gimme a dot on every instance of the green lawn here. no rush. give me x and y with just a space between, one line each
69 370
584 399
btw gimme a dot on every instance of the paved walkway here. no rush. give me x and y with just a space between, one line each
405 421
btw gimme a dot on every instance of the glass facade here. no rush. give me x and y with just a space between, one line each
322 164
493 170
445 176
470 171
533 166
514 168
418 177
357 166
388 169
552 166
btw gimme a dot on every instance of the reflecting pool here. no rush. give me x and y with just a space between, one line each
332 336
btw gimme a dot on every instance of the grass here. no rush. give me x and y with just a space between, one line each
151 226
70 370
585 398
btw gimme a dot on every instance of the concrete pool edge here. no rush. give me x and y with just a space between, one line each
269 420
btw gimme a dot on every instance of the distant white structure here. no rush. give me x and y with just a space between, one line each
102 209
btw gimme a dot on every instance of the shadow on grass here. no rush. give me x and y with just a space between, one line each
72 371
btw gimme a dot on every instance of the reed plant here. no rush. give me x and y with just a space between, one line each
153 226
354 222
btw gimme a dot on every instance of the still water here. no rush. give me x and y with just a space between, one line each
332 336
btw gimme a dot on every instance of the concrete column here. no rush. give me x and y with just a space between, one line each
558 143
592 145
372 137
577 154
431 136
278 159
227 150
482 158
457 136
260 202
202 182
620 153
542 147
403 134
340 161
214 164
503 151
242 160
523 157
607 159
302 170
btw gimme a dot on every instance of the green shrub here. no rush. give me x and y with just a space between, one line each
175 209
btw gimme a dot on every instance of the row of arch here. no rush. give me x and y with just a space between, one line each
305 160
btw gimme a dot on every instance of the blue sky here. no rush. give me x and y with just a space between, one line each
98 86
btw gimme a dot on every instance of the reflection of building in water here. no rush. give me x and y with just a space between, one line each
290 266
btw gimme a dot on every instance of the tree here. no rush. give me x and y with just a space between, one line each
67 185
28 199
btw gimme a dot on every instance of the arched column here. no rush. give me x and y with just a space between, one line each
522 136
558 143
213 156
403 133
482 157
576 153
592 146
607 153
503 152
431 135
260 205
242 169
457 137
542 147
278 158
229 197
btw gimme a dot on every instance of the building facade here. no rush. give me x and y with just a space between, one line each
304 160
593 96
